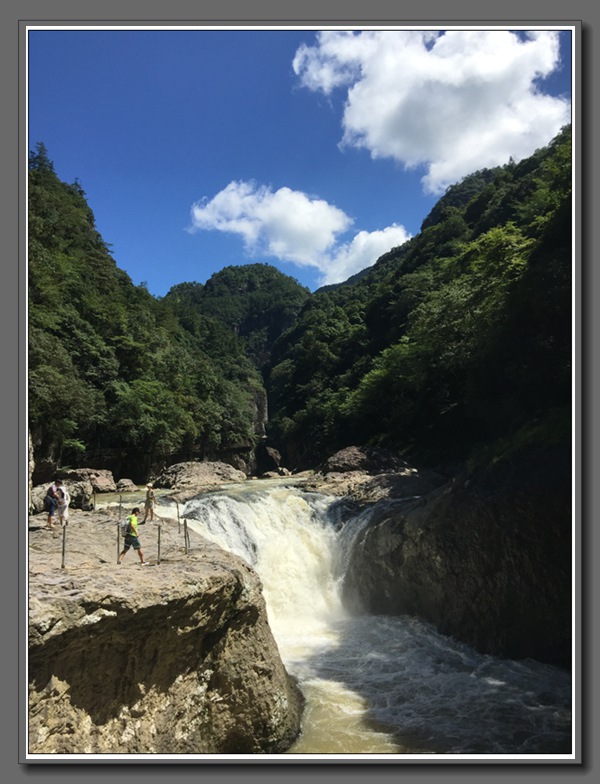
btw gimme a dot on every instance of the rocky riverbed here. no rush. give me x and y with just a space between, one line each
178 657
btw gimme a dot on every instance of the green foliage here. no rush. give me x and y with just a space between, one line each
457 343
256 302
461 337
147 415
110 366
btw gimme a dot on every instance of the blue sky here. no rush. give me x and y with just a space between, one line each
314 151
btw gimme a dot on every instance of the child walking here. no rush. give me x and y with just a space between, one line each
131 538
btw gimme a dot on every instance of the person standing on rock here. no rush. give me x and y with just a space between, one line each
51 501
62 505
149 503
131 538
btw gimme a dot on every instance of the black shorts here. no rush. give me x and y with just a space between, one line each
131 541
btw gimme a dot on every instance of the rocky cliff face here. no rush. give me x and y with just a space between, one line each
486 558
176 657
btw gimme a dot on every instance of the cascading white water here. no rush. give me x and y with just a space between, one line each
374 684
289 542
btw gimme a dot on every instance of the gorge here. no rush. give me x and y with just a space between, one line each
414 557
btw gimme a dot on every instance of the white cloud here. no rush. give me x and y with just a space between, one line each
286 224
453 102
362 252
294 227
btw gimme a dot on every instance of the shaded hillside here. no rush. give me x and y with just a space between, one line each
118 378
255 301
457 343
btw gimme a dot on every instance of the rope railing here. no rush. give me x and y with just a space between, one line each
182 523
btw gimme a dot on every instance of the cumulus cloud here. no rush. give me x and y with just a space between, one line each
361 252
453 101
292 226
286 224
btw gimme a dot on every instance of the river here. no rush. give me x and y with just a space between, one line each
387 687
376 685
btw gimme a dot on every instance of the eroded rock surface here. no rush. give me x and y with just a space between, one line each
190 478
485 558
82 484
176 657
101 479
369 474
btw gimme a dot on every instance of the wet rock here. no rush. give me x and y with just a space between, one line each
407 483
485 558
368 489
268 459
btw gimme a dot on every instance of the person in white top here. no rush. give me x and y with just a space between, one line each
62 507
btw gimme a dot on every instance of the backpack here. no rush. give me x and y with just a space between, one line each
125 526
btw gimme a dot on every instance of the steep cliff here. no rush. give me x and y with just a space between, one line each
174 658
487 558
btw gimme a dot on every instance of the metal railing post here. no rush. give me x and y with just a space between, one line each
186 538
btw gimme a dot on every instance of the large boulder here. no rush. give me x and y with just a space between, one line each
100 479
190 478
126 486
175 658
366 459
371 474
486 558
81 492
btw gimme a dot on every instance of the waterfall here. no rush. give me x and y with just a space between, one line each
375 684
289 539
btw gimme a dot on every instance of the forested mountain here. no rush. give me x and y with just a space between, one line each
455 344
256 301
117 377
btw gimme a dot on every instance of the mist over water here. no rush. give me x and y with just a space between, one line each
375 684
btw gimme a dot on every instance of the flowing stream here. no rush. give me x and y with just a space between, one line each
376 685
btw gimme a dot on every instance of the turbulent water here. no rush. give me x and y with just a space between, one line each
376 685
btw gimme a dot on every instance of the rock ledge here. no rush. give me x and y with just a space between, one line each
173 658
